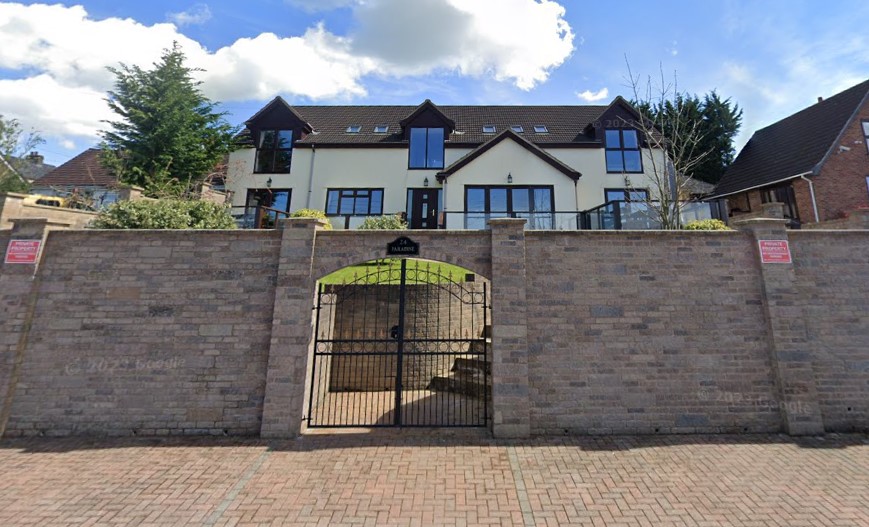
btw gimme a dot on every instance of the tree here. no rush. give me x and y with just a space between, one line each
170 136
14 145
164 214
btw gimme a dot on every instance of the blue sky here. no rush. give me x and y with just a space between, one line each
772 57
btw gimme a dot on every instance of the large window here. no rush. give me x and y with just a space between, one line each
263 207
354 201
485 202
626 194
426 148
623 151
274 151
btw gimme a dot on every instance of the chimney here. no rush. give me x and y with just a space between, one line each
820 99
35 158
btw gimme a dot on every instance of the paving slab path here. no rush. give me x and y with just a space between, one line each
399 477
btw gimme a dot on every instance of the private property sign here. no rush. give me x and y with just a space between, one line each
22 251
774 251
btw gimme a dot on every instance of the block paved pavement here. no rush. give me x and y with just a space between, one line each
400 477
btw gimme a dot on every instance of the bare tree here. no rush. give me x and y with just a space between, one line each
663 108
15 143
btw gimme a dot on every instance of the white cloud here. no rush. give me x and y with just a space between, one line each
591 96
198 14
314 6
516 41
68 144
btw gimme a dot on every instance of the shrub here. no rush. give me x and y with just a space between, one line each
312 213
384 223
164 214
706 225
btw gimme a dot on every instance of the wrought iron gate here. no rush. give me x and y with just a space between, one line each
404 344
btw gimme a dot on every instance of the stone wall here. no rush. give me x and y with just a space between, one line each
148 333
651 332
12 206
832 270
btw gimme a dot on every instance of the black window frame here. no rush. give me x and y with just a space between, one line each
410 143
510 212
254 215
272 151
626 194
621 148
864 127
357 194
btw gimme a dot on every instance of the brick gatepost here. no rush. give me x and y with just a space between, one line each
511 403
790 357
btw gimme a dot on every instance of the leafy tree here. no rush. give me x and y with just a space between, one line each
170 135
14 144
164 214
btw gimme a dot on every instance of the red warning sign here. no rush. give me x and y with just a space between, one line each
774 251
22 251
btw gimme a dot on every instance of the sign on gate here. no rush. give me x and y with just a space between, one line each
774 251
22 251
402 246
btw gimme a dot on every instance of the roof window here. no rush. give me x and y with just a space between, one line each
488 128
540 129
381 129
517 128
354 129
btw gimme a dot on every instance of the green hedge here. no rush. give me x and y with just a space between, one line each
390 223
312 213
706 225
164 214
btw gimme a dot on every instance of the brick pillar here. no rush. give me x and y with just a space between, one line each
291 329
511 404
791 357
18 288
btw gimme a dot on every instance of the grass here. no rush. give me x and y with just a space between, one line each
438 272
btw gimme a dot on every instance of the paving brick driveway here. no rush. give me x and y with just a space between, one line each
400 478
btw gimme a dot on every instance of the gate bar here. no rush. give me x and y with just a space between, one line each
399 361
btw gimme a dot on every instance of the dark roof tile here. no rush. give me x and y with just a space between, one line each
84 169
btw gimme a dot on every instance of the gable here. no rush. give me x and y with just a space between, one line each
277 115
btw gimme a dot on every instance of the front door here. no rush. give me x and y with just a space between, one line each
422 207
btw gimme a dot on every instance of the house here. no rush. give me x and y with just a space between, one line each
445 166
33 166
84 174
815 162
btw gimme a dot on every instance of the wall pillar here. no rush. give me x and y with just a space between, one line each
291 329
511 403
791 357
18 292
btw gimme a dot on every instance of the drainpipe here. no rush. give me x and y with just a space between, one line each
311 176
812 194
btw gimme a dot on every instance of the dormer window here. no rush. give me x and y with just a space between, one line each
517 128
274 151
540 129
381 129
354 129
426 148
489 129
623 150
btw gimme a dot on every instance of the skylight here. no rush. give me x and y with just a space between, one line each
354 129
517 128
540 129
381 129
488 128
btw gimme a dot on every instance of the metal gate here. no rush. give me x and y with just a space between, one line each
403 344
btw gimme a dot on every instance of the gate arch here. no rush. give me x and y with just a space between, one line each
400 342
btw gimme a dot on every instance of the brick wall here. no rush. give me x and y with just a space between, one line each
841 185
148 333
832 270
651 332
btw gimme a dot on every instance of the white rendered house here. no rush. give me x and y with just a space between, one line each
442 166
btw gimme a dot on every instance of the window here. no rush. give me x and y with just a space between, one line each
426 148
540 129
623 151
262 206
624 194
354 202
354 129
489 129
274 151
485 202
381 129
866 134
517 128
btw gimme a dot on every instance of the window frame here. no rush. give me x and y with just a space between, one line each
356 195
864 127
626 194
772 195
381 128
489 129
541 129
518 128
510 211
273 151
253 212
410 143
622 149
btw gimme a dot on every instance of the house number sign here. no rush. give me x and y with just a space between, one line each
402 246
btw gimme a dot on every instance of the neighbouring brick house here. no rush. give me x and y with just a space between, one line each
84 174
815 162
